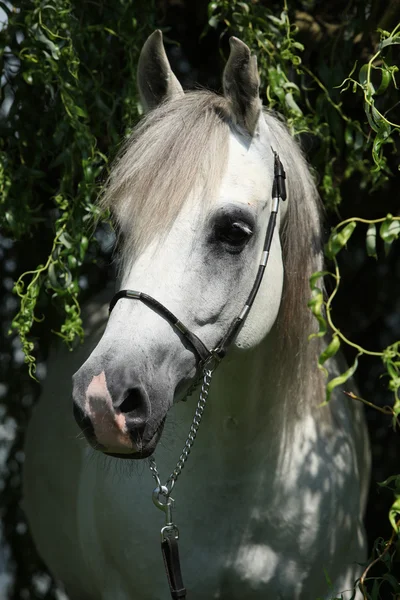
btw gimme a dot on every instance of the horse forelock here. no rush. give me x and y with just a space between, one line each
179 145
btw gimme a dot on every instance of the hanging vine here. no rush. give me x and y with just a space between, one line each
64 56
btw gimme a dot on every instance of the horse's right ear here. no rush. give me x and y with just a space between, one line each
241 85
155 79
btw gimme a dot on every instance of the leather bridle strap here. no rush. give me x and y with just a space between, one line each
198 347
195 342
278 193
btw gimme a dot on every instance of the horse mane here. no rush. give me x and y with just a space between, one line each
176 147
183 144
301 238
301 231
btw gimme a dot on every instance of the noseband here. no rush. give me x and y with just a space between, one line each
208 360
203 354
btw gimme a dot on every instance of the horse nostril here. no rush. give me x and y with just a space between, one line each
135 404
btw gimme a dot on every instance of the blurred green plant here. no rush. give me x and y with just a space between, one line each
62 63
321 307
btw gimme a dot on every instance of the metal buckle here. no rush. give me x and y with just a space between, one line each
169 529
212 362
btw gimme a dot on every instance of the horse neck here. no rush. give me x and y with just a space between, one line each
258 400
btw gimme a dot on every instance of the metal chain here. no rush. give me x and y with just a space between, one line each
201 404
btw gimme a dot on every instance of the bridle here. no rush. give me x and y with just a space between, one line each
199 348
208 361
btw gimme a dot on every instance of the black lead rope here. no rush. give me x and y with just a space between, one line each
169 533
169 544
170 552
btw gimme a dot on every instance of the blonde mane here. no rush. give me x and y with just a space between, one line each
182 143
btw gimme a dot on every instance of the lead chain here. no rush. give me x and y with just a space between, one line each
201 404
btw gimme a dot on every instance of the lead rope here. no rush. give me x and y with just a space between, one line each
162 493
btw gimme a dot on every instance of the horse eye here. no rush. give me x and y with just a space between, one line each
234 233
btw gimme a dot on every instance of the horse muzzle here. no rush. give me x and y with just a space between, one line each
121 427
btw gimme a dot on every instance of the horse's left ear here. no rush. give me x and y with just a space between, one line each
155 78
241 85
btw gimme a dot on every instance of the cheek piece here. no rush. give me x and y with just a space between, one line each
204 355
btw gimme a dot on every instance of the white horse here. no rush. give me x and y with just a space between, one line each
270 503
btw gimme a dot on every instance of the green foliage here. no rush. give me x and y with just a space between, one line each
389 231
393 483
71 74
380 125
309 101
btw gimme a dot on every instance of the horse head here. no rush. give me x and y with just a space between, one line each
191 194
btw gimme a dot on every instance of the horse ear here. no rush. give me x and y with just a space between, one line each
241 85
155 79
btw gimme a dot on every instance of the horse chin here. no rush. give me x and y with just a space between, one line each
146 448
145 453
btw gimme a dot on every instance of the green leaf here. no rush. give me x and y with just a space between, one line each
83 247
392 479
339 239
385 80
392 582
27 75
110 31
244 6
376 149
40 36
276 82
375 590
392 370
66 240
276 20
390 229
292 105
336 381
329 352
316 276
394 513
213 22
317 305
81 112
390 41
368 112
298 46
363 74
359 140
348 135
52 275
370 240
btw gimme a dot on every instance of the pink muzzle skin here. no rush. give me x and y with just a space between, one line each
109 427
